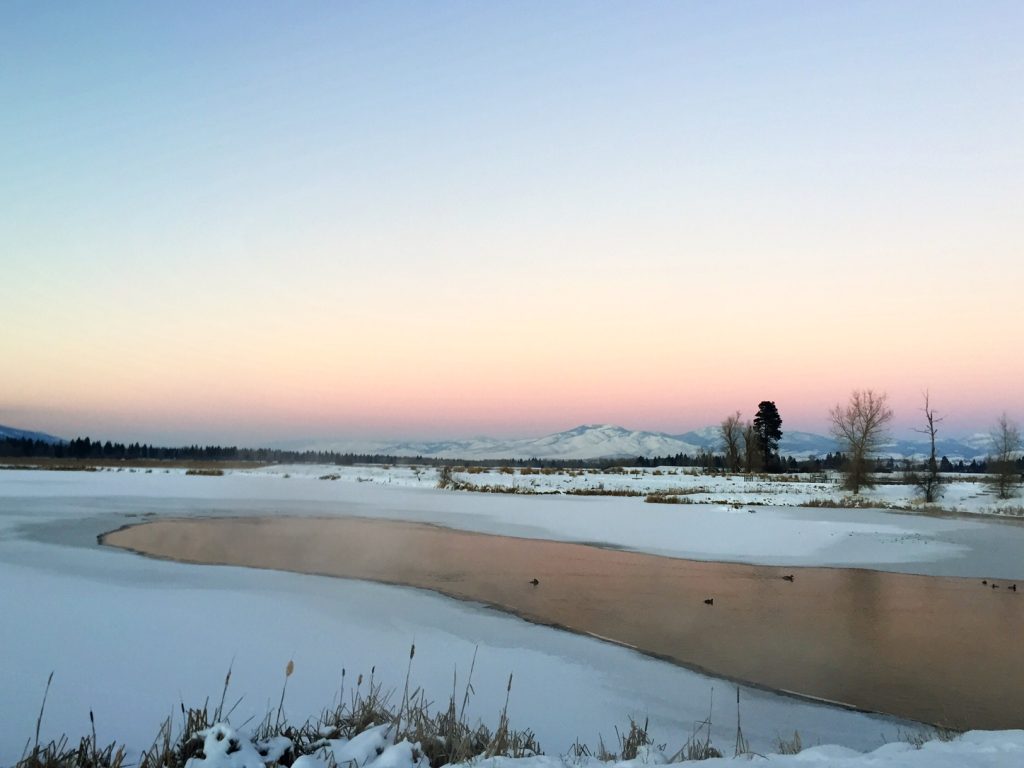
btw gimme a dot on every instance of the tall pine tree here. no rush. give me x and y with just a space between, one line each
768 428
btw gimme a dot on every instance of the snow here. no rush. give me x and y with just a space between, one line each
752 522
598 441
224 747
374 749
129 637
588 441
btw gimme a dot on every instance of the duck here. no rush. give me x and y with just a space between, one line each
1012 587
788 577
709 601
535 582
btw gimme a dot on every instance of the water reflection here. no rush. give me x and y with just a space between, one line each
939 650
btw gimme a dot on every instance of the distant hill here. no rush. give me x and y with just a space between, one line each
608 441
600 441
24 434
588 441
799 445
802 445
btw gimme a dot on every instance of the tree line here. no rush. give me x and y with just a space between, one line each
860 427
82 448
85 448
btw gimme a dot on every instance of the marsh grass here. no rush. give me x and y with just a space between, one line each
442 735
60 752
850 502
920 737
791 746
661 497
600 490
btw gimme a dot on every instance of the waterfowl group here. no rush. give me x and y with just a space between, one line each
985 582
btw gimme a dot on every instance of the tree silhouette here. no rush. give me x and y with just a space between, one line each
768 429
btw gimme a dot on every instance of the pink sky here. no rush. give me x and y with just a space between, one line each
448 220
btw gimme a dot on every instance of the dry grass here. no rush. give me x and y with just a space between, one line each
793 746
662 497
920 737
60 753
444 736
850 502
600 490
207 472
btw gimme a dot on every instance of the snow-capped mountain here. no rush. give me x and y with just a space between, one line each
23 434
588 441
799 445
607 441
975 447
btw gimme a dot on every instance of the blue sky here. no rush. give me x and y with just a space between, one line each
319 185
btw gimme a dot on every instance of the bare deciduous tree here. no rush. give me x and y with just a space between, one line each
731 432
1005 445
751 448
929 482
860 427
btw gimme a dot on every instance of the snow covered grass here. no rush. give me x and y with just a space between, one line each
369 735
355 730
961 493
368 730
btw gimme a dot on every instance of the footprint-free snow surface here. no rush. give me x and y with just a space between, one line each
130 638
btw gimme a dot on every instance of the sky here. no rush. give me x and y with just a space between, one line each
249 222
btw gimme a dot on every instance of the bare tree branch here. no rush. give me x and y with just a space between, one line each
860 425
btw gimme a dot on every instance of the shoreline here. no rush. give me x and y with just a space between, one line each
506 554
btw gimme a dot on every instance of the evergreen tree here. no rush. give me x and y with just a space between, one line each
768 429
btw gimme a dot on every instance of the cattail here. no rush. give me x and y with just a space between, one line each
412 651
289 669
359 680
509 688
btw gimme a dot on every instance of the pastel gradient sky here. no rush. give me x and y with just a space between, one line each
247 222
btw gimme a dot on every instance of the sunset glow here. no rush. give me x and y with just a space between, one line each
264 222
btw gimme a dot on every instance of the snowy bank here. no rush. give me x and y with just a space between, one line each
223 747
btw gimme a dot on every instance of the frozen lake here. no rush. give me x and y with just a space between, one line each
130 638
882 642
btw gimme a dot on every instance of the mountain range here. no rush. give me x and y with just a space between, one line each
607 441
23 434
601 441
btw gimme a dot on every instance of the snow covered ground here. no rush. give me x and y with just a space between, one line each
964 493
373 749
761 526
129 638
